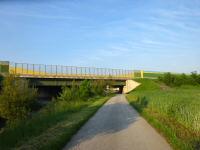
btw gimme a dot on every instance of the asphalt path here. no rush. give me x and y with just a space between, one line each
117 126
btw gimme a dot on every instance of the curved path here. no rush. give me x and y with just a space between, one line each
117 126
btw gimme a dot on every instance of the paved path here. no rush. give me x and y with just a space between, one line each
117 126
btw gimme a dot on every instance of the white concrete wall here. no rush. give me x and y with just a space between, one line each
130 85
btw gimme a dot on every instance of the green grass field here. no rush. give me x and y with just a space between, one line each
175 112
50 129
152 74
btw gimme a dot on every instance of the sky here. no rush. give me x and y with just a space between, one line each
154 35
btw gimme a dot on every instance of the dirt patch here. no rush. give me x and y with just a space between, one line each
164 87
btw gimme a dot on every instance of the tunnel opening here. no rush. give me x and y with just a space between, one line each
117 89
46 93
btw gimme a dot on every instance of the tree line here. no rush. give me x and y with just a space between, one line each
180 79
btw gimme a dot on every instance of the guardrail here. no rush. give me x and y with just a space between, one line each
59 71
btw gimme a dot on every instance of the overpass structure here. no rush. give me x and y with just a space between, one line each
54 76
25 70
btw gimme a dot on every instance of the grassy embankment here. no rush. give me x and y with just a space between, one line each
152 74
50 129
174 112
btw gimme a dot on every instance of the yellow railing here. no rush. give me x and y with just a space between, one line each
39 70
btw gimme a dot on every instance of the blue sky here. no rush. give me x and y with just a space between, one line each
160 35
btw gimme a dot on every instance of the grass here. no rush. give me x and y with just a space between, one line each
152 74
174 112
50 129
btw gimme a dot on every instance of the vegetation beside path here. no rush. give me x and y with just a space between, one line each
174 111
52 130
53 125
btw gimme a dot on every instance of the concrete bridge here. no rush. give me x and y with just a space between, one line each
50 78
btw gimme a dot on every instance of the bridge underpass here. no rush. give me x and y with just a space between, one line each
50 78
50 87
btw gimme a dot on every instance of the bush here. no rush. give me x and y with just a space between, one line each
198 79
66 94
85 90
16 98
75 90
168 79
69 94
1 78
99 87
195 78
180 79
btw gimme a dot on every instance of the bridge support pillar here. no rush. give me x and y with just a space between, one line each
130 85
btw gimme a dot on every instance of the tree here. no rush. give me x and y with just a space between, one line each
16 98
85 90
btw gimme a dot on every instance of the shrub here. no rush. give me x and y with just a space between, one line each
85 90
180 79
184 78
198 79
98 87
168 78
69 94
66 94
1 78
16 98
75 90
194 78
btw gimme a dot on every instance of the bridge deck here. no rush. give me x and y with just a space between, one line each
67 72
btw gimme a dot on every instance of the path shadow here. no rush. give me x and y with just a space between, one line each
111 118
